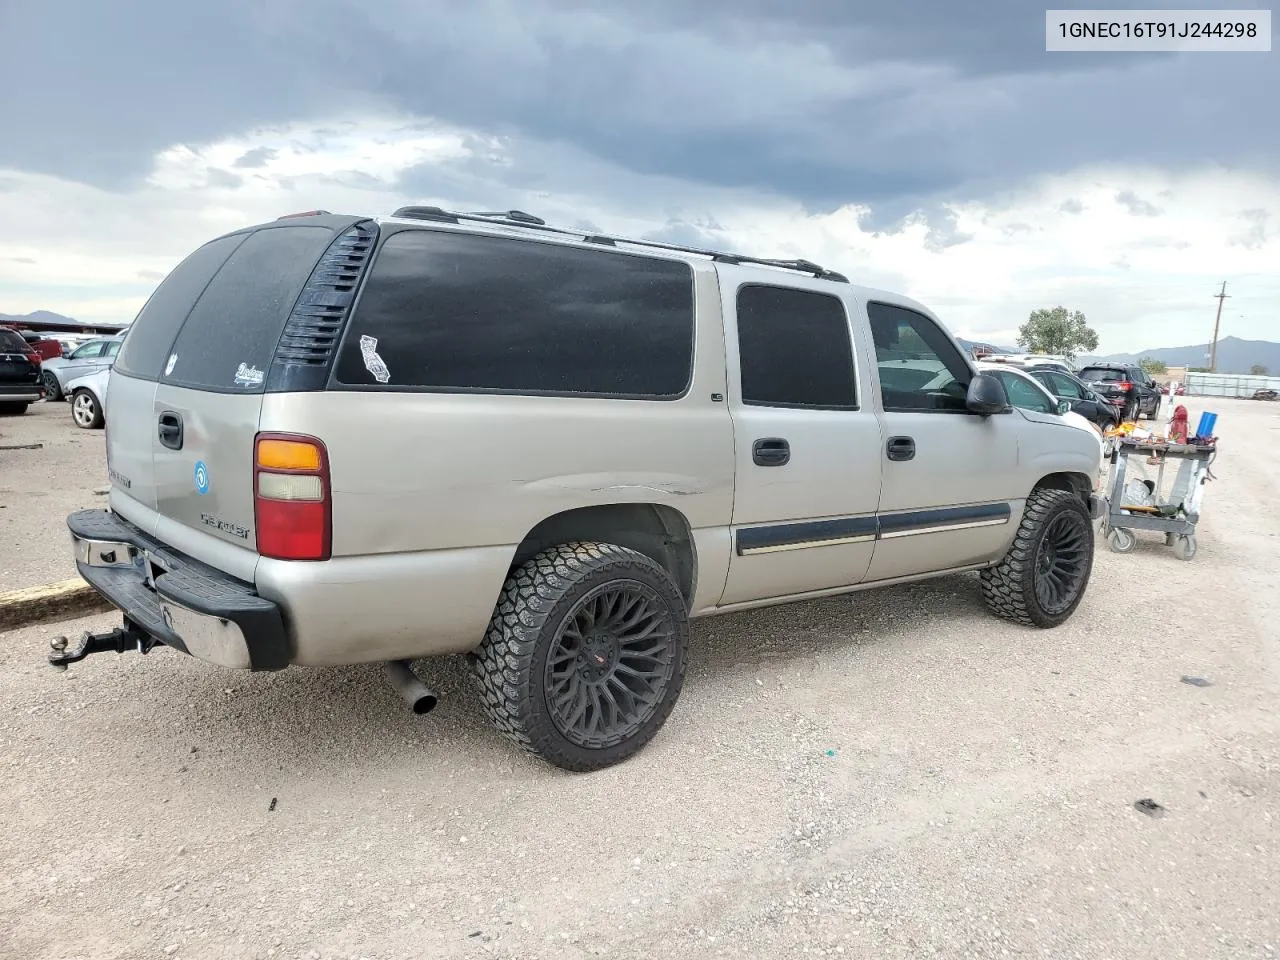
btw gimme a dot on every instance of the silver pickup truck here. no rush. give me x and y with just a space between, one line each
337 439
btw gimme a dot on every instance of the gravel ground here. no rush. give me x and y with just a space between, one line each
38 488
892 775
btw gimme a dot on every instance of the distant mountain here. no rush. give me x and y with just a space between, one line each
989 347
1234 355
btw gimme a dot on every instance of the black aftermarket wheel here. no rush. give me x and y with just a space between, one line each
1043 577
585 656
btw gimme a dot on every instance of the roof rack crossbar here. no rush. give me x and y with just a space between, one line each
527 221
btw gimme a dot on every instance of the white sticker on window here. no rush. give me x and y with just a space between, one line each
372 362
248 376
168 367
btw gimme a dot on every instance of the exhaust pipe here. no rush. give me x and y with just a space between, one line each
411 689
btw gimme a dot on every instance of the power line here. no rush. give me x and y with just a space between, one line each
1213 350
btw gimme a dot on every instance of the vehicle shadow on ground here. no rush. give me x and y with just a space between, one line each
313 716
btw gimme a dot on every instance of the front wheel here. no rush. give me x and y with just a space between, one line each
585 655
86 411
1043 577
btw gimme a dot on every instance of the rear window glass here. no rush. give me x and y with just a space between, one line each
1101 374
454 312
10 342
231 334
146 346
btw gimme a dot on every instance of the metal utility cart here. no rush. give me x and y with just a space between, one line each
1176 516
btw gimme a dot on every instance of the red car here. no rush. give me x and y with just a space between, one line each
46 348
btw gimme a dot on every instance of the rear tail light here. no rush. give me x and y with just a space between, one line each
292 499
1125 385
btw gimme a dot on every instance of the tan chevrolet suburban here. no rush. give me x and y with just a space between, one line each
336 439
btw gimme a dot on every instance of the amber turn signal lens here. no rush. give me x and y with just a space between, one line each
288 455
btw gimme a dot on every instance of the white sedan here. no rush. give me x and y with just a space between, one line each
87 396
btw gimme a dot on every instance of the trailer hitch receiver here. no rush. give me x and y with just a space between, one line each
118 640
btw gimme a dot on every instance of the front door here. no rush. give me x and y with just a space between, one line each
951 486
807 478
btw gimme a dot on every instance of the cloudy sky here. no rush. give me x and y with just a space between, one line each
930 146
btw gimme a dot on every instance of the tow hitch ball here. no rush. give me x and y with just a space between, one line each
116 641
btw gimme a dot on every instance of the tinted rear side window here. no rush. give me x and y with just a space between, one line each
794 349
453 312
11 342
231 335
147 343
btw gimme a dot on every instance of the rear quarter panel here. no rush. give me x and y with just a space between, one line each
433 492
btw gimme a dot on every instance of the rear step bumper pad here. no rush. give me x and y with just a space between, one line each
176 600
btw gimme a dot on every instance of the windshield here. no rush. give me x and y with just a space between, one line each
1102 374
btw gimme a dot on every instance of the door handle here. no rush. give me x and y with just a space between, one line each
771 452
900 448
169 430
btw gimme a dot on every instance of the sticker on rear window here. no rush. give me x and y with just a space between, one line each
168 367
249 376
372 362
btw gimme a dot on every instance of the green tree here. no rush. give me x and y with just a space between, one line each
1258 370
1057 331
1153 367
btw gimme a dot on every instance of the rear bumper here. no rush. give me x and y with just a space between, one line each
176 600
20 392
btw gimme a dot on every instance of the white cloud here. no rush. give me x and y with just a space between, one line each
1086 239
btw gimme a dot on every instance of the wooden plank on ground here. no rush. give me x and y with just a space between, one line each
49 603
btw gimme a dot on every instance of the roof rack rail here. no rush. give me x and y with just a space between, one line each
305 213
518 216
527 220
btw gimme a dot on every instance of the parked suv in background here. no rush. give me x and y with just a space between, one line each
1126 387
334 439
19 373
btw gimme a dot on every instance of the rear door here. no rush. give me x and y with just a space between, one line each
131 391
205 410
807 470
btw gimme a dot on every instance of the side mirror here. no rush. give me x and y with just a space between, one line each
1064 407
986 395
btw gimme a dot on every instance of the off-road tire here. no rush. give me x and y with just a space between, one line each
510 663
1009 587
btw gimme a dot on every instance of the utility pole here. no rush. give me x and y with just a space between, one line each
1213 349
